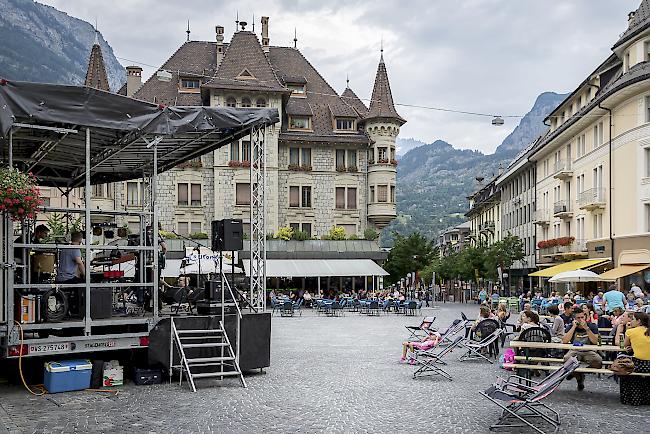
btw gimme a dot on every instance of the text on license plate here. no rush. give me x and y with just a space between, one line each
49 348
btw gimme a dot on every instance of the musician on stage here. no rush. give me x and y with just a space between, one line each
41 232
71 267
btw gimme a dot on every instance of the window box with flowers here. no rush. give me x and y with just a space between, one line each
300 167
383 161
555 242
353 169
341 169
393 162
19 194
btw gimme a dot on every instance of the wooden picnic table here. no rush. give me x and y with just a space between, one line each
567 347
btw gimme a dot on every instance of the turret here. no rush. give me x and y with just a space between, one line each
382 124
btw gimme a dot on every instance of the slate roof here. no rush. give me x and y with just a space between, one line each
96 73
640 22
381 103
353 101
198 58
321 101
245 55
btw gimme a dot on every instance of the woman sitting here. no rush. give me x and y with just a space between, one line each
557 324
634 389
590 313
428 342
502 313
529 319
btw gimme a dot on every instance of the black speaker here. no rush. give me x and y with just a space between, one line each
227 235
213 290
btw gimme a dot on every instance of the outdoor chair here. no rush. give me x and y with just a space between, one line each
354 305
421 331
373 308
419 306
428 361
336 309
275 305
475 349
297 306
521 400
410 307
287 309
534 334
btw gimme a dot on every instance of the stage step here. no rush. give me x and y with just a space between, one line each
215 366
216 374
191 362
208 345
203 332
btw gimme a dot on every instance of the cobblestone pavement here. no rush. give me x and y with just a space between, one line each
326 375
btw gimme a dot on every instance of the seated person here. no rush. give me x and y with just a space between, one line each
527 308
567 315
598 302
557 324
502 313
634 389
590 313
639 305
428 342
71 268
585 333
530 319
622 324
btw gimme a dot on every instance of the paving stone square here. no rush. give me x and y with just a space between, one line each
327 375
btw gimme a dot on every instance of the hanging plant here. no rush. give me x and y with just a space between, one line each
19 194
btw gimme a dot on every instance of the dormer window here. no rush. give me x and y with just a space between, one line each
190 84
231 102
297 89
245 102
260 103
300 122
345 124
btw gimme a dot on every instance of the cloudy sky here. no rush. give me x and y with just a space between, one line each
488 56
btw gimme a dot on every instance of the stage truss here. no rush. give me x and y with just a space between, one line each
258 219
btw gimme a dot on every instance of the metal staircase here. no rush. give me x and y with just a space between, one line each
222 361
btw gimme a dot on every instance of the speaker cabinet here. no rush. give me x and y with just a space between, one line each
227 235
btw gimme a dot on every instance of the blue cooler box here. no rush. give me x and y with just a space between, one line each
67 375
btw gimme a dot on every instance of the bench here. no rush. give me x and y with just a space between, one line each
548 360
580 370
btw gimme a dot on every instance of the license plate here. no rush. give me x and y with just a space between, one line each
49 348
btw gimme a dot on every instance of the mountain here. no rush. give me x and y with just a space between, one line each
43 44
405 145
435 179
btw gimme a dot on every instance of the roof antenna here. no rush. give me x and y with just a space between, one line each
347 80
188 31
295 38
253 22
382 49
237 22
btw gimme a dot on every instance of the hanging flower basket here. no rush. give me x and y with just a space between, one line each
19 194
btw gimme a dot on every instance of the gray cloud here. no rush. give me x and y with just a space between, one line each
492 56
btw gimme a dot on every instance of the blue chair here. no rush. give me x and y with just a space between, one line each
297 306
287 309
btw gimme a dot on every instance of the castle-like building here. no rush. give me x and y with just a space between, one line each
330 162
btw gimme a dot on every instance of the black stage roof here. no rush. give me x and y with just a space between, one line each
49 125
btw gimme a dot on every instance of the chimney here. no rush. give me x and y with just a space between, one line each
265 34
219 30
630 18
133 79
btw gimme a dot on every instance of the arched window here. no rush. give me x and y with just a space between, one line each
261 102
245 102
231 102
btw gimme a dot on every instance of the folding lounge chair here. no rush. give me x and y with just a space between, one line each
423 330
521 401
429 361
475 348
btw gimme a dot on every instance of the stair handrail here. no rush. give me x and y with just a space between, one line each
183 361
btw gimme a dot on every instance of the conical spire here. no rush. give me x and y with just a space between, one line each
381 104
96 74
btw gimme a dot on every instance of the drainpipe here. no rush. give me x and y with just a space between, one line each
611 237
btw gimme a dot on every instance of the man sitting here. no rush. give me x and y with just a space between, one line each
583 333
567 316
527 308
71 267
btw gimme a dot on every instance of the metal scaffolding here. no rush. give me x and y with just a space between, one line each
258 219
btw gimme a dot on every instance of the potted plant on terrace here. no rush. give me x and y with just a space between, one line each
19 194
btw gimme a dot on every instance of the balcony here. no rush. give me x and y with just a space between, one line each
562 248
592 199
562 169
487 226
541 217
381 213
562 209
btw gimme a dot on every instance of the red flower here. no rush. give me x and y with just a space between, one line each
21 211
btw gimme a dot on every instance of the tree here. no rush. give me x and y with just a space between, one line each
411 253
504 254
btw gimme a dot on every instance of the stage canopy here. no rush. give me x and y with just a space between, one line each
47 124
320 268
